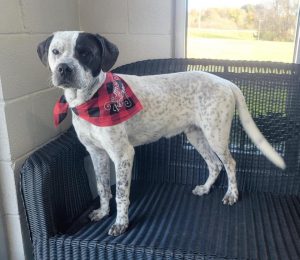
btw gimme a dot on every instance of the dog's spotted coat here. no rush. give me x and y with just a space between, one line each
199 104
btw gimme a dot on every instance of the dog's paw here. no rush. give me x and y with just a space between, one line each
117 229
200 190
230 197
98 214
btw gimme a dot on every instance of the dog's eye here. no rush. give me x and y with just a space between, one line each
55 51
84 53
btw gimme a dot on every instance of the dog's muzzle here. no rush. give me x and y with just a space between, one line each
64 74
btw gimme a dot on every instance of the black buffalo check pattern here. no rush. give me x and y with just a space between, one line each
112 104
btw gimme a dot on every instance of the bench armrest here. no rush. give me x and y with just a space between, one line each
54 186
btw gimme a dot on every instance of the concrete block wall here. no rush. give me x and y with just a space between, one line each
141 29
26 102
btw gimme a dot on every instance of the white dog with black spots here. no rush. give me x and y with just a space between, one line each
197 103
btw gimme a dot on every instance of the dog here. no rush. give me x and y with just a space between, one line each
199 104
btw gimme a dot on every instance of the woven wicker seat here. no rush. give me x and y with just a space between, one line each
166 220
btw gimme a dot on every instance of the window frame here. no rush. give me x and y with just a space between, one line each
297 39
180 28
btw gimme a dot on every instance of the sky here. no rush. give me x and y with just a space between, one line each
194 4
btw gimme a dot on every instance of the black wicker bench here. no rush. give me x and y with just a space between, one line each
166 220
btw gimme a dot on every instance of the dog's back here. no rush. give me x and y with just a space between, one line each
174 102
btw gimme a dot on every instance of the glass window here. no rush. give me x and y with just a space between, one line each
261 30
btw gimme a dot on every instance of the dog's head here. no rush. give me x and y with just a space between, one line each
76 58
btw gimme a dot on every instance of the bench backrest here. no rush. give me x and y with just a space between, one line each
272 92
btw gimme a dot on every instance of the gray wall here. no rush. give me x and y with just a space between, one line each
141 29
26 102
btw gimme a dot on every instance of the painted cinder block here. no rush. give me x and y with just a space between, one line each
14 236
22 73
150 17
20 123
1 92
48 16
10 16
42 110
3 246
108 16
139 47
4 144
30 122
8 189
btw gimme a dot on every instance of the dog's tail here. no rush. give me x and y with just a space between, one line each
253 132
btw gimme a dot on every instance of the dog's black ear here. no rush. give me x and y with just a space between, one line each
110 53
43 49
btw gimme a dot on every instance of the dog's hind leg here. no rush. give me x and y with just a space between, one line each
196 137
232 193
217 133
229 163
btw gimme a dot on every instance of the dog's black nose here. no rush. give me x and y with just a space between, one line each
64 69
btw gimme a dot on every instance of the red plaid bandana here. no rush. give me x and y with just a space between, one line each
112 104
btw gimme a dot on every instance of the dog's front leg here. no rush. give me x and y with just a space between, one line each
100 161
123 161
